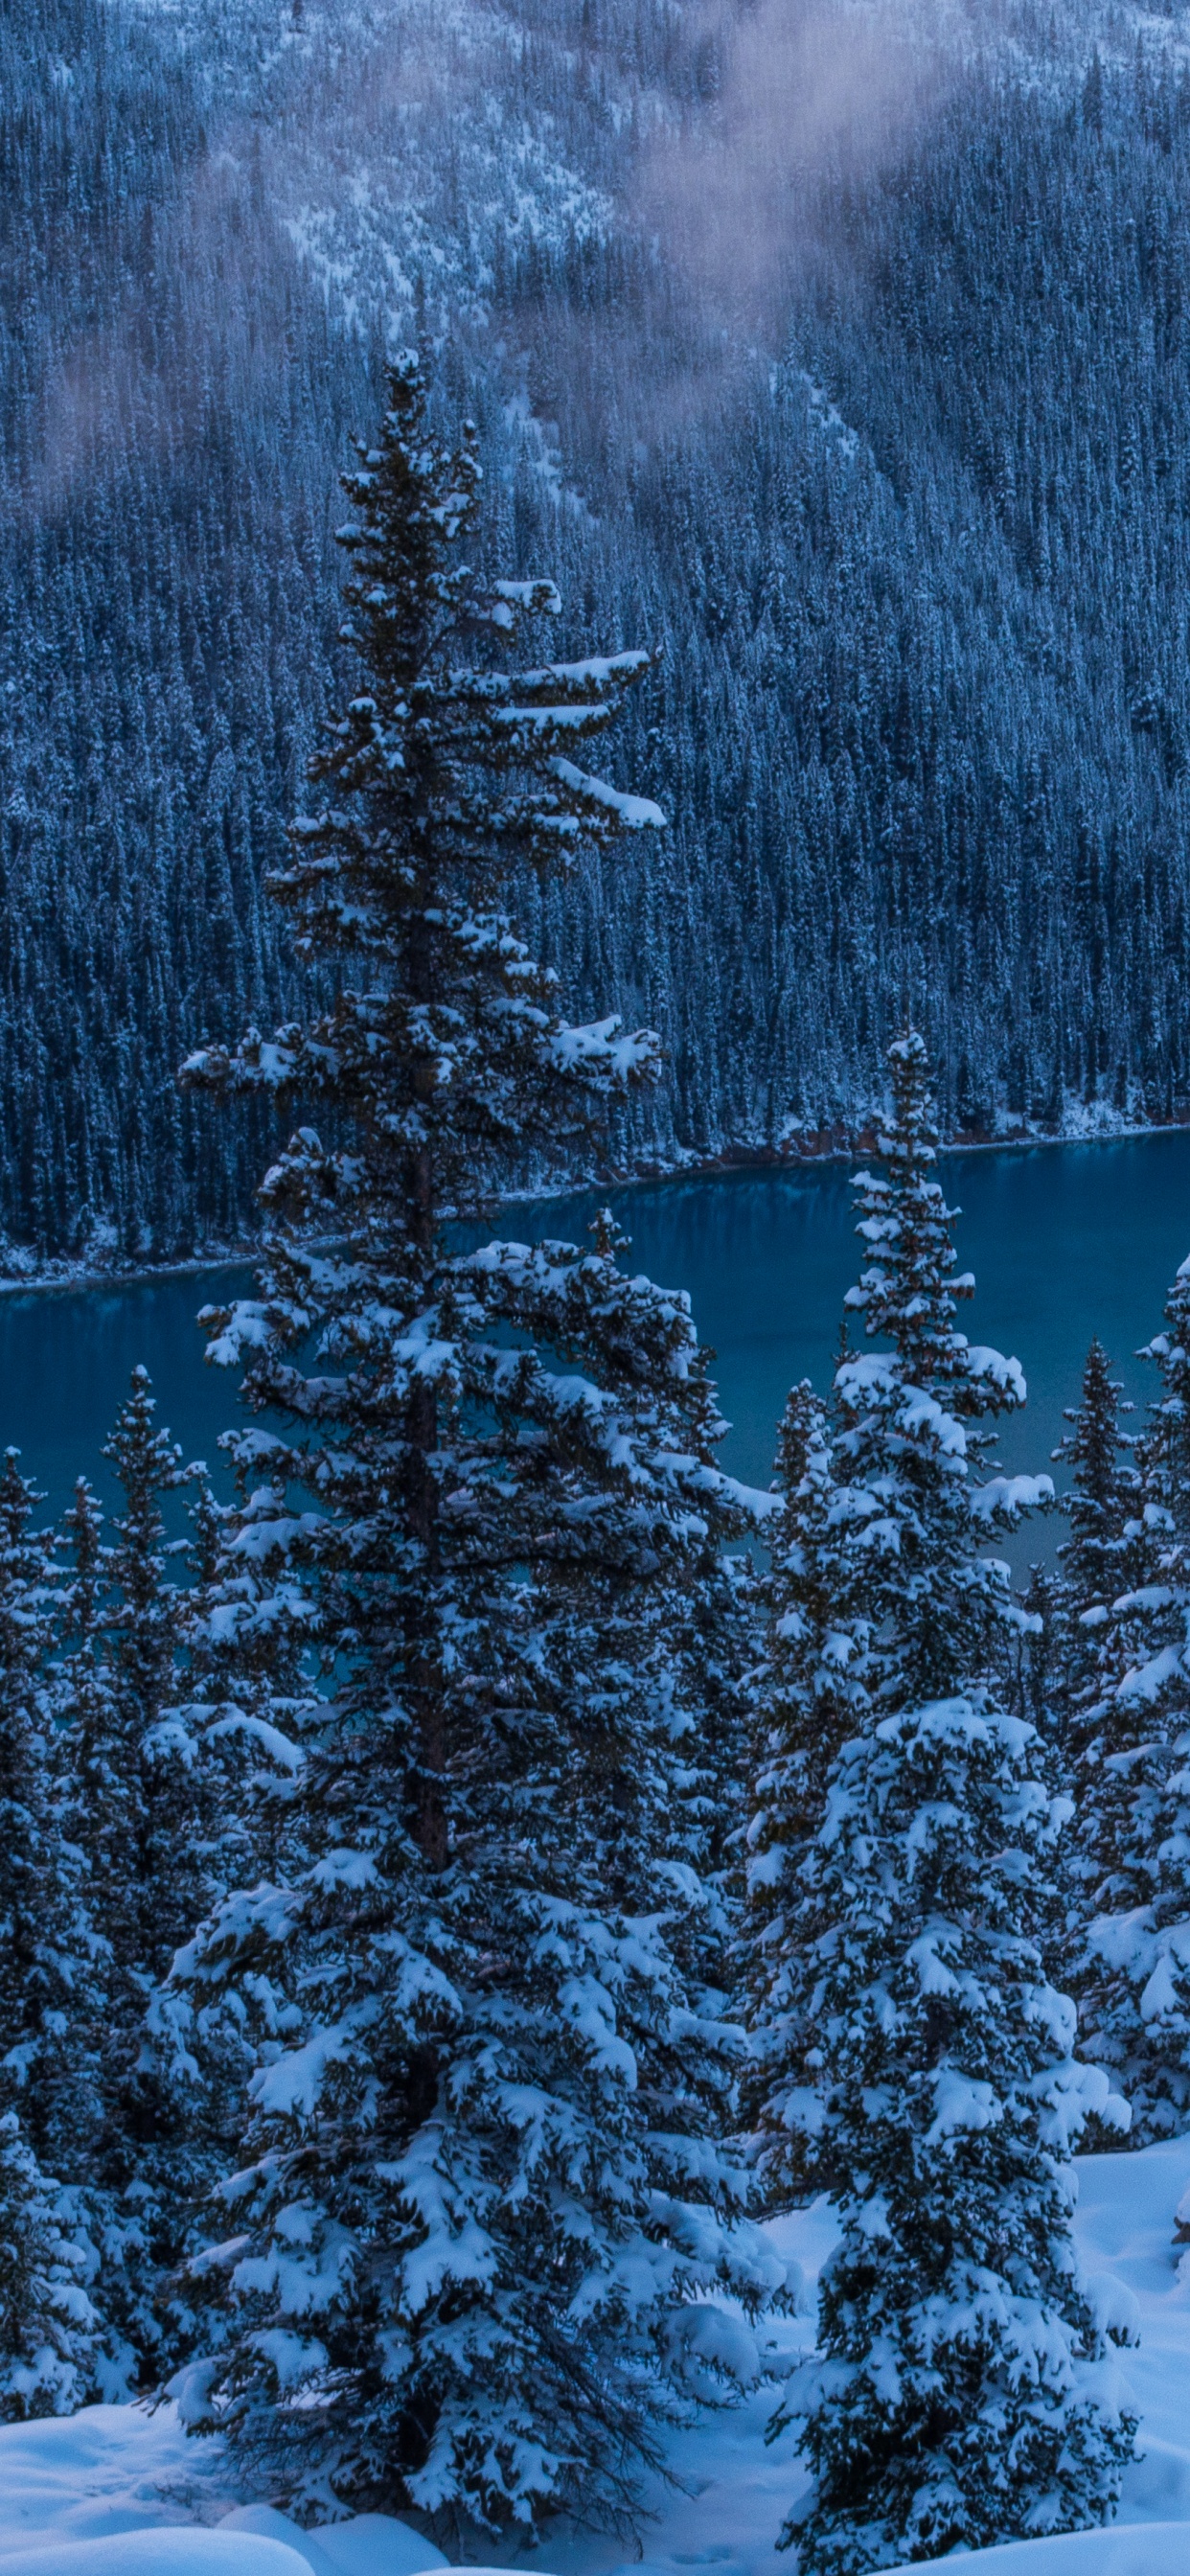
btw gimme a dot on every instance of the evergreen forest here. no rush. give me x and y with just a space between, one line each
498 1862
856 399
591 587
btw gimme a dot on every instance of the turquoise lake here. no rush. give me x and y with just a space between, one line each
1065 1241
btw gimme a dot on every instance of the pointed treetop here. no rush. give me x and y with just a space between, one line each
910 1290
910 1135
83 1522
82 1534
1092 1445
1165 1447
144 1458
415 497
609 1240
19 1498
448 776
1104 1481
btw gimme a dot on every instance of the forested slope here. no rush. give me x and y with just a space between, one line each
904 504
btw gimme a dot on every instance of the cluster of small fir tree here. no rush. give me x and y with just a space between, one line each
123 1821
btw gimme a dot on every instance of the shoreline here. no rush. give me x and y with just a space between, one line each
771 1158
77 1278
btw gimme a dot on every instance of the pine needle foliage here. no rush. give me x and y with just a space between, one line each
479 2202
911 1416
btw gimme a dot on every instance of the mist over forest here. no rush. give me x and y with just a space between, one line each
840 357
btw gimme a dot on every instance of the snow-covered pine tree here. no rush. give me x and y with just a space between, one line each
961 2393
49 1998
1103 1495
878 1582
911 1415
810 1692
159 1800
1098 1564
1058 1659
1132 1965
47 2323
101 1784
248 1692
230 1748
480 2206
1099 1558
152 1773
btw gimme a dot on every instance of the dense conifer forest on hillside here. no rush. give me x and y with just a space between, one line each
449 1925
905 513
479 1900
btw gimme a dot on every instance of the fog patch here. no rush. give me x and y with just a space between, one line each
796 92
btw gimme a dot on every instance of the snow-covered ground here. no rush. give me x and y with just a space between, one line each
118 2492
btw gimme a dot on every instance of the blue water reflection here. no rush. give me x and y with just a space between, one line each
1064 1240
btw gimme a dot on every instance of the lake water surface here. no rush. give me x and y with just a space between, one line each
1064 1240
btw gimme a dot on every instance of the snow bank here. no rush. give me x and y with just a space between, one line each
369 2544
1158 2549
252 2540
109 2470
116 2488
178 2552
119 2492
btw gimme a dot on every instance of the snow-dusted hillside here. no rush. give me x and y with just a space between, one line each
397 144
839 352
117 2492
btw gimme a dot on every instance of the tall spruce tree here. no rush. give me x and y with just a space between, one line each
101 1796
226 1761
478 2208
119 1681
922 2065
52 1991
1103 1496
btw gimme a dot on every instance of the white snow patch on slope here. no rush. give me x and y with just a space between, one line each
1155 2549
107 2471
160 2553
115 2491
